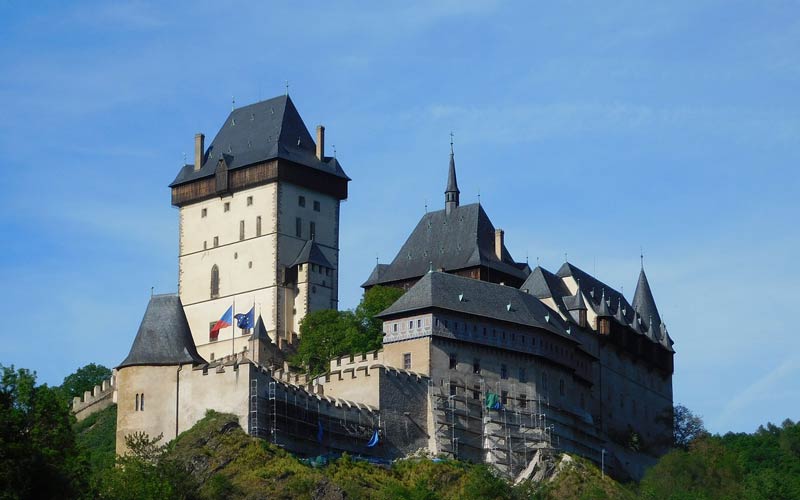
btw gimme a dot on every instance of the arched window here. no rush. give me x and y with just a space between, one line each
137 402
214 281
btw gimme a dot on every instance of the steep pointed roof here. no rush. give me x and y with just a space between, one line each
260 331
311 253
643 301
259 132
164 337
619 314
575 302
452 181
665 339
462 238
592 287
636 323
543 284
602 309
376 275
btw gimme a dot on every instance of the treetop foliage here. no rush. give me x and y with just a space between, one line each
84 379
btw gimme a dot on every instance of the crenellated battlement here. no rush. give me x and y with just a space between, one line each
100 397
356 359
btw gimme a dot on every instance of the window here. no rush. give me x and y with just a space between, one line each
214 281
203 212
419 323
523 401
216 241
212 335
522 377
298 227
394 327
316 206
301 200
313 268
484 331
137 402
226 207
141 402
312 230
241 230
410 325
561 387
407 361
453 389
258 226
476 392
503 371
437 322
249 201
476 366
205 244
453 361
504 397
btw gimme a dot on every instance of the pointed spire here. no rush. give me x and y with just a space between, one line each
451 194
602 309
643 301
260 331
620 314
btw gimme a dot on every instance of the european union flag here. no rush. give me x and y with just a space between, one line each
246 321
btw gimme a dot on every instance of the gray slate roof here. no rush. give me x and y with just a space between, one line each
594 290
164 337
260 331
461 239
259 132
310 253
644 303
452 181
479 298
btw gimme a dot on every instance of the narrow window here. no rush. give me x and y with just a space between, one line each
214 281
411 325
227 206
407 361
476 366
203 212
453 361
523 401
212 335
504 397
298 227
258 226
453 389
241 230
419 323
522 375
301 200
216 241
141 403
137 402
503 371
312 230
316 206
394 327
476 393
205 244
249 201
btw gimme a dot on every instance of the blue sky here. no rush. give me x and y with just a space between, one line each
588 128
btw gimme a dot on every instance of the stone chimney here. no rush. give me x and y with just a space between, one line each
498 243
199 149
320 142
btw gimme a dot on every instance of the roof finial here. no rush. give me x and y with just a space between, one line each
479 196
233 103
334 150
526 257
537 261
287 87
152 291
184 158
641 256
451 142
426 205
430 266
565 257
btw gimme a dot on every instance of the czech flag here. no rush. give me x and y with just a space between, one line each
224 322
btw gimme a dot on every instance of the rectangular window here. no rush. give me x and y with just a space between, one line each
453 389
523 401
216 241
205 244
301 200
503 371
453 361
504 398
410 325
394 327
241 230
249 201
312 230
476 393
226 207
258 226
476 366
522 375
212 336
298 227
407 361
203 212
316 206
419 323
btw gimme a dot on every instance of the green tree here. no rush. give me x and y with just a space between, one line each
84 379
375 300
686 427
38 454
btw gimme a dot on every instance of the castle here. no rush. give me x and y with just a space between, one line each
483 358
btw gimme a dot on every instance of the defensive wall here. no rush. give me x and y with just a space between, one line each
100 397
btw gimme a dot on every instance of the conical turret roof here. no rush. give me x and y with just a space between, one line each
260 331
643 301
602 309
164 337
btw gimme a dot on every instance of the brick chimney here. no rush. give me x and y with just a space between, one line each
320 142
498 243
199 149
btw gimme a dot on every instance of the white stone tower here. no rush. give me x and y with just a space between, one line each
259 224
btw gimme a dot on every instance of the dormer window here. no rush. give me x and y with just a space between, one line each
603 326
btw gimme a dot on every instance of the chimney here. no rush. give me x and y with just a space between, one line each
199 149
498 243
320 142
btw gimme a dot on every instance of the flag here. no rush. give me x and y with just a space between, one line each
246 321
224 322
374 440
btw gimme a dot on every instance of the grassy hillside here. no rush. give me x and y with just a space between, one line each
95 436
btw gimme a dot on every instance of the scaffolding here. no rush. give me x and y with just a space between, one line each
507 437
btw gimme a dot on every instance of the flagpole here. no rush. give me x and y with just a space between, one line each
233 327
